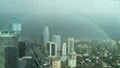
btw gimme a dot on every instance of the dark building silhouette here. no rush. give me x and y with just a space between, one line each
11 57
22 49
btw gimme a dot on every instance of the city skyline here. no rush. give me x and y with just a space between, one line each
59 34
58 15
54 55
64 27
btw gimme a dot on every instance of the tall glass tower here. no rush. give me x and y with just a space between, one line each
8 50
57 40
16 25
70 45
45 36
64 49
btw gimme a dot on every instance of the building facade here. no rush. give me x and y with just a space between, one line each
72 60
70 45
21 48
56 63
8 50
52 49
57 40
64 52
45 36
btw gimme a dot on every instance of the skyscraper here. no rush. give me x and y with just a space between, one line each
22 49
70 45
56 63
52 49
64 49
57 40
11 57
64 52
8 47
72 60
15 25
45 36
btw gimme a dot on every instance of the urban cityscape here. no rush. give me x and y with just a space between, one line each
59 33
18 52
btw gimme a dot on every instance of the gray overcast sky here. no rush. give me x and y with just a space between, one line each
48 6
104 8
104 13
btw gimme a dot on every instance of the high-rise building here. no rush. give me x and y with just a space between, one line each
56 63
64 52
11 57
64 49
16 27
72 63
57 40
22 49
52 49
45 36
70 45
71 53
8 47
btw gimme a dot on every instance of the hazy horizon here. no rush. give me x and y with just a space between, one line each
77 18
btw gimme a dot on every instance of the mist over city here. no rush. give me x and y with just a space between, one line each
60 34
